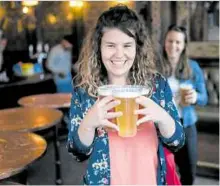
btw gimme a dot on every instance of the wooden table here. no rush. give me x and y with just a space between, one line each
32 119
28 119
56 100
60 101
18 150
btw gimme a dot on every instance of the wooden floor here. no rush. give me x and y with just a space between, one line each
208 145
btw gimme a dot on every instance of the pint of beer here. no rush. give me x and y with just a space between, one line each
127 123
184 88
103 91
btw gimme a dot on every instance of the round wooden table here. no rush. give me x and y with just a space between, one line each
56 100
28 119
18 150
33 119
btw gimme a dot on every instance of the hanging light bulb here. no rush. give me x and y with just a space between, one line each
25 10
122 1
51 19
29 3
76 3
72 3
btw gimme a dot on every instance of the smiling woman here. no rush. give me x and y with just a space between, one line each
188 87
119 52
124 38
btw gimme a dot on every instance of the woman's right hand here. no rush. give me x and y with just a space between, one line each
98 115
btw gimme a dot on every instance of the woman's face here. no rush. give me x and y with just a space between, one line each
174 44
118 51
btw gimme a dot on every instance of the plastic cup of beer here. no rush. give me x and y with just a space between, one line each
103 91
184 88
127 94
146 91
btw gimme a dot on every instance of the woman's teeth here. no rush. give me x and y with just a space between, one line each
118 62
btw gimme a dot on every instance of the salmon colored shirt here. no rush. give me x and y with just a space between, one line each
134 160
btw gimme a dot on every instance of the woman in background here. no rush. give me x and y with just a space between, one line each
179 70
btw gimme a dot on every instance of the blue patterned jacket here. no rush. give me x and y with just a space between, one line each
98 170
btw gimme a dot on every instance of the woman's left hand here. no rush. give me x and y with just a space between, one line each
191 96
151 111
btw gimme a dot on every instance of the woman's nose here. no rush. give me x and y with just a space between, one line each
173 44
119 52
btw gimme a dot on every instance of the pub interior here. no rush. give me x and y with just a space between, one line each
34 111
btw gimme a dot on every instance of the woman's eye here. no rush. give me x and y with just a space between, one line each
110 46
127 46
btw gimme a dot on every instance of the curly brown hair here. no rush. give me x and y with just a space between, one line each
91 72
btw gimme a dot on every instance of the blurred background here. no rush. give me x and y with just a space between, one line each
29 29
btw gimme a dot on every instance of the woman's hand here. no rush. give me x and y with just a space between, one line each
151 111
191 96
100 115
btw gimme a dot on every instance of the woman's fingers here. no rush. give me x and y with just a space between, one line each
191 91
105 100
142 100
140 111
189 100
111 115
189 96
110 125
144 119
111 105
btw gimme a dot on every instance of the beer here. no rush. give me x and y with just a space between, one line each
127 94
184 88
103 91
127 122
106 90
147 92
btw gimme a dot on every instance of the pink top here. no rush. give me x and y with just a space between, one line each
134 160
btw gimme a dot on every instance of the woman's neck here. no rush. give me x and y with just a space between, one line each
118 81
173 62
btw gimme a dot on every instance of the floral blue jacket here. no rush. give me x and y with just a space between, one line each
98 170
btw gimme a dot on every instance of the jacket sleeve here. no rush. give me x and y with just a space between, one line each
200 85
177 140
80 151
